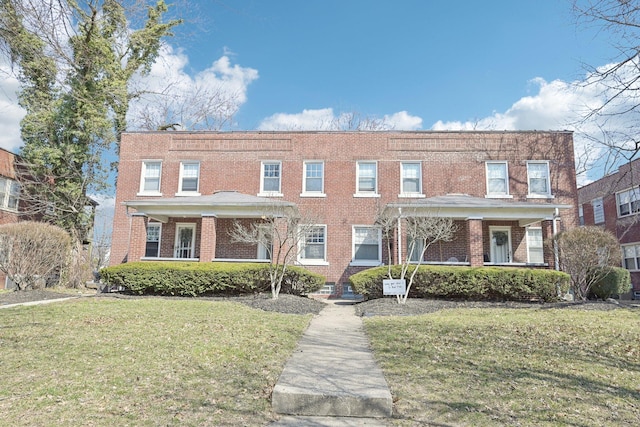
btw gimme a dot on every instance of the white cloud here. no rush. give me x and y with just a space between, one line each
10 112
205 100
327 119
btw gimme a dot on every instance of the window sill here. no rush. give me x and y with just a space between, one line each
312 262
498 196
270 194
365 195
411 196
365 263
319 195
187 193
540 196
149 194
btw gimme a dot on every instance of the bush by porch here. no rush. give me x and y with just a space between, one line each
475 283
195 279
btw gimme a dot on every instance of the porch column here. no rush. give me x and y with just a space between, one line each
208 238
137 237
547 248
476 247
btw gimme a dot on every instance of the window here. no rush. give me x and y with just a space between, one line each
538 175
581 215
497 179
411 176
152 248
189 174
598 210
9 193
313 183
631 254
416 251
628 201
366 246
313 245
150 180
271 182
535 250
366 178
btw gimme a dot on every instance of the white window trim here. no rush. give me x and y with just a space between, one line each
600 201
359 193
420 192
365 263
263 193
4 204
622 247
306 193
549 194
301 245
188 193
529 245
488 195
141 191
631 213
159 226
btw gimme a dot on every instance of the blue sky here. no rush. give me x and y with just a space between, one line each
416 64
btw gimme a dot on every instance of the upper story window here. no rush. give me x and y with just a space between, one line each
497 179
9 193
598 210
411 179
367 246
152 247
313 245
189 178
366 179
150 178
313 180
628 201
538 176
271 182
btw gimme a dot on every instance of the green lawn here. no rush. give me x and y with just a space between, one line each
488 367
107 362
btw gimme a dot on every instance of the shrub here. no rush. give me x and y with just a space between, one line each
194 279
473 283
614 282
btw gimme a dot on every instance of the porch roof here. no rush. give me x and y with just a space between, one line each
463 206
221 204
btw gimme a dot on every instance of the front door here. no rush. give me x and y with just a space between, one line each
500 245
184 245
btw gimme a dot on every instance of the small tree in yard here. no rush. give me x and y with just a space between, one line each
30 252
422 231
281 232
587 254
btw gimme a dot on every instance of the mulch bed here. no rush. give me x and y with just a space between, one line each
291 304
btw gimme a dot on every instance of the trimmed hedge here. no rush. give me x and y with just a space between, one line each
470 283
215 278
616 282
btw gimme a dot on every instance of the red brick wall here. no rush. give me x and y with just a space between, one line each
452 162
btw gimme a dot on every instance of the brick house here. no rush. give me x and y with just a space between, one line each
9 195
613 202
179 193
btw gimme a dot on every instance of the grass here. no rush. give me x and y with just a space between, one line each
104 362
488 367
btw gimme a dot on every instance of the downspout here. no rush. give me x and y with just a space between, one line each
556 256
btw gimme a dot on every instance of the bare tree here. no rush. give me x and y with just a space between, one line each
31 252
282 233
422 231
587 254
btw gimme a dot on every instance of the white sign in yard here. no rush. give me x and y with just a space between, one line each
394 286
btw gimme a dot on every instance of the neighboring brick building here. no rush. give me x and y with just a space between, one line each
507 191
613 202
9 195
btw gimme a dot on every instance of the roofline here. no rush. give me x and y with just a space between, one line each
391 131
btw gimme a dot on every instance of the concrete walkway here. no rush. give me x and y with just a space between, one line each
332 374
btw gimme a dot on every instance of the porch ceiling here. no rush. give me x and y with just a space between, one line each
221 204
462 206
